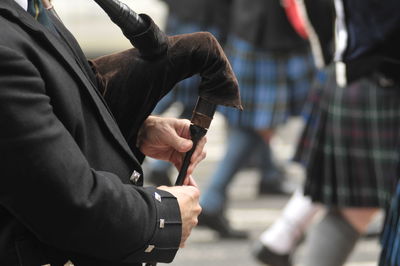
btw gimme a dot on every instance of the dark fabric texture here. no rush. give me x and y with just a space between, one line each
185 92
152 43
273 86
350 145
66 190
321 15
264 24
207 13
372 32
186 55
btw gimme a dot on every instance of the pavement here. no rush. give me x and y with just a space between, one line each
250 212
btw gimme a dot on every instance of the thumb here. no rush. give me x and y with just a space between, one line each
180 144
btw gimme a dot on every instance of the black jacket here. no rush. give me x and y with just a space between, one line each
264 24
373 28
189 10
373 40
320 15
69 186
205 13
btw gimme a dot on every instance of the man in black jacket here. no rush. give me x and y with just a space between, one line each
73 135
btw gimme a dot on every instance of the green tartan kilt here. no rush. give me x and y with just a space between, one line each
350 145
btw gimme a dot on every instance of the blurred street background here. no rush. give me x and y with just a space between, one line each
97 35
248 211
94 31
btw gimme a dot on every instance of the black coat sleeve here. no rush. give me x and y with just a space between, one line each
48 185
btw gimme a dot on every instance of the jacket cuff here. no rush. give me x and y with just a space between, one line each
164 244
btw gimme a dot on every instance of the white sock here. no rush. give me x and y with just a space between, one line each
284 234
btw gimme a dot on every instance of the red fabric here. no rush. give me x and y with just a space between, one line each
293 13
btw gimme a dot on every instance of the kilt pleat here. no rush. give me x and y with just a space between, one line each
350 145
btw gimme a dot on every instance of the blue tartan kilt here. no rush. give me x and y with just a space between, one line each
273 86
186 91
350 143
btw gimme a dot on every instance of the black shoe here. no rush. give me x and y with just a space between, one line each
273 188
220 224
266 189
274 184
265 255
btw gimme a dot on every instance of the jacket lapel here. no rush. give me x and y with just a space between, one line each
15 10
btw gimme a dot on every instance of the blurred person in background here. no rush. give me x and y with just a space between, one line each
353 157
274 68
350 149
278 243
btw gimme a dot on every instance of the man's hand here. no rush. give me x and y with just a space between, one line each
168 139
188 200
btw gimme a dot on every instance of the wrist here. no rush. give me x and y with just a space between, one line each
142 132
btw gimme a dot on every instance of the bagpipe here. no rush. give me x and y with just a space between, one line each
218 85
